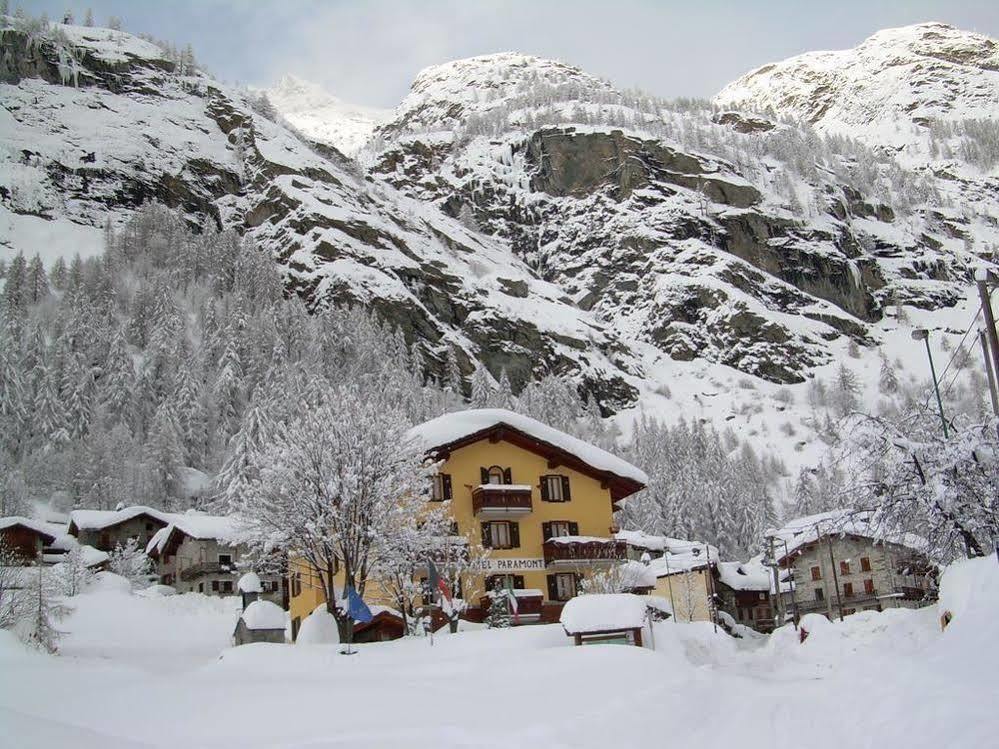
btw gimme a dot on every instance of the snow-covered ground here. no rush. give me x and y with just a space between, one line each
155 671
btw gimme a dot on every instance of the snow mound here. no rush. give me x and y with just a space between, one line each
264 615
319 628
109 582
602 612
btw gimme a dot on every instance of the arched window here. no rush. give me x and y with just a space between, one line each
495 475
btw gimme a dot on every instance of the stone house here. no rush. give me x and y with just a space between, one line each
198 554
840 564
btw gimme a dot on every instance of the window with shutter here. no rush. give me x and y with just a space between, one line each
573 529
565 586
865 564
848 590
500 534
559 528
820 595
440 488
507 476
552 589
495 475
514 535
484 475
816 573
554 488
844 568
546 531
869 586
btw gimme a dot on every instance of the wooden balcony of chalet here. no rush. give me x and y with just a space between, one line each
205 568
501 500
566 551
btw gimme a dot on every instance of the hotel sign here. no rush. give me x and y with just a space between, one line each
510 564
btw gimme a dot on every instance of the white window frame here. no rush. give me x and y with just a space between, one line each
554 483
498 528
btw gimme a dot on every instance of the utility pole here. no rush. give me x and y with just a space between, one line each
982 281
983 340
832 563
922 334
793 585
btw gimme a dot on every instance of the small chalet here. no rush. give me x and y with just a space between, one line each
106 529
744 593
605 619
261 621
27 538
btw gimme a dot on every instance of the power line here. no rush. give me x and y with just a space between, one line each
953 356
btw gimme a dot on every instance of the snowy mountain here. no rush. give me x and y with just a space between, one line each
526 215
889 90
322 117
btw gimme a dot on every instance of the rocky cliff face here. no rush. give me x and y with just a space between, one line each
515 210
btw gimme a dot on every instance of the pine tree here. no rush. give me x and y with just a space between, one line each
228 390
37 286
241 466
118 380
482 389
164 454
59 276
847 388
15 290
887 380
498 616
503 395
453 380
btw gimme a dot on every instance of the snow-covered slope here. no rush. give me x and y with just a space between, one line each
323 117
877 91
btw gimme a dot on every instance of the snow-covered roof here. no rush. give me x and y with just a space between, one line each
100 519
38 526
806 530
249 583
642 540
680 555
603 612
263 614
751 575
452 427
637 575
195 525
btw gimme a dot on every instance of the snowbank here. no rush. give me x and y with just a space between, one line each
603 612
452 427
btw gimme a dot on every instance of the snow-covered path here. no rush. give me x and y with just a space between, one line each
876 680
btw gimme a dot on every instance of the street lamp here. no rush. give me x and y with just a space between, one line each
922 334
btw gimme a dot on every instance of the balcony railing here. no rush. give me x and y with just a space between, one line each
502 499
581 549
206 568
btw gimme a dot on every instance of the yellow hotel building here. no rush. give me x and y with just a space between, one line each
539 500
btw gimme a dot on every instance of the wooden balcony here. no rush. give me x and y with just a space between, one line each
571 550
501 500
206 568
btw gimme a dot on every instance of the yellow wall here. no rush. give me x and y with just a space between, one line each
589 506
691 592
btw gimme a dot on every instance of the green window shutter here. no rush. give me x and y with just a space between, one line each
566 496
515 535
487 541
544 489
484 475
507 476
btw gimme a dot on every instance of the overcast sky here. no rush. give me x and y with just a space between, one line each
368 52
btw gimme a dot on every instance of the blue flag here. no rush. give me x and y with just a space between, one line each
357 608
